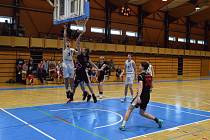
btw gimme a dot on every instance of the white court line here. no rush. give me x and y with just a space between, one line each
33 127
166 129
179 111
121 117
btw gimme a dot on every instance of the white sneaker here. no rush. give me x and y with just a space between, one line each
100 96
123 100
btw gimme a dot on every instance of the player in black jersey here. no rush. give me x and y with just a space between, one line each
101 73
142 98
81 77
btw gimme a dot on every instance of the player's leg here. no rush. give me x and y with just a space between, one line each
100 90
75 85
100 85
143 105
128 113
92 93
85 78
131 89
85 93
66 80
125 92
151 117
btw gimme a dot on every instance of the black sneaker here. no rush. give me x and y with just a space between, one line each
88 98
71 96
94 98
85 93
67 94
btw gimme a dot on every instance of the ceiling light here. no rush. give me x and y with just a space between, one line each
197 8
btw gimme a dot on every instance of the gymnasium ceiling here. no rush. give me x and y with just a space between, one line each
175 8
36 15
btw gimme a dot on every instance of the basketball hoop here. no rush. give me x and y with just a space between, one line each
82 23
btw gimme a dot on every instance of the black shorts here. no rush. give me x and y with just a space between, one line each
145 97
101 78
81 76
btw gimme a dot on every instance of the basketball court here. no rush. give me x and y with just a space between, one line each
180 54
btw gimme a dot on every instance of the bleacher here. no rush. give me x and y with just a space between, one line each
164 60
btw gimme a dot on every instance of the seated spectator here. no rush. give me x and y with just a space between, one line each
119 73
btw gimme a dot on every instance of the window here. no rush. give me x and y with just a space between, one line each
116 32
75 27
193 41
97 30
172 38
4 18
181 39
133 34
201 42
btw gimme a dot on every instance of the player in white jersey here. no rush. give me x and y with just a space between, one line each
68 64
130 71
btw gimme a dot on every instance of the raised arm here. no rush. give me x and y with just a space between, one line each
79 37
65 36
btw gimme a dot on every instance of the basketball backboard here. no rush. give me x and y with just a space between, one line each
70 10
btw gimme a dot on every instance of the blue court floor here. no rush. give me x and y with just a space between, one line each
89 121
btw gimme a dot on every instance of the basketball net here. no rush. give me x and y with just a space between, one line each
82 23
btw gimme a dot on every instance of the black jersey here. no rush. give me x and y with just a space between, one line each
100 65
118 71
147 82
82 62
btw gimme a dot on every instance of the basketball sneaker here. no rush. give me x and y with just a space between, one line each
94 98
88 97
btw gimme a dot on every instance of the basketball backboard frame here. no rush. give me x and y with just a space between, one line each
68 16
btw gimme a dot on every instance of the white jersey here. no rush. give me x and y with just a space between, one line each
129 67
68 54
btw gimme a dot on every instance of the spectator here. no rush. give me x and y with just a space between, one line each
46 67
52 69
119 73
40 71
24 70
30 73
59 70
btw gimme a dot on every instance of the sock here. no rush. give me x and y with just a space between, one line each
124 123
156 120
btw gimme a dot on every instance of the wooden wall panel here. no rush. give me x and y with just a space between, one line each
192 67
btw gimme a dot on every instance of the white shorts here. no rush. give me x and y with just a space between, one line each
129 79
68 70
